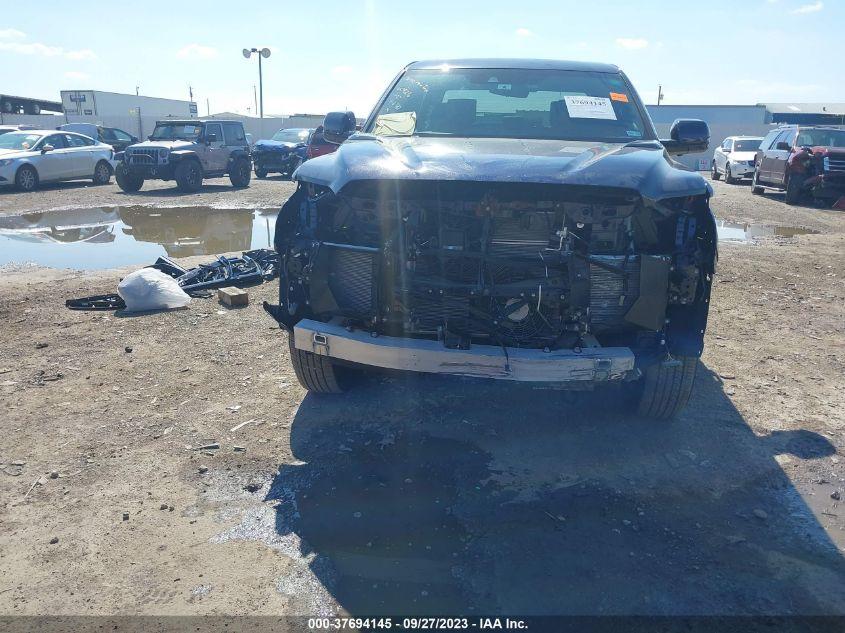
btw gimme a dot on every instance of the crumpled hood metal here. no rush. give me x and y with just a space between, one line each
275 146
644 167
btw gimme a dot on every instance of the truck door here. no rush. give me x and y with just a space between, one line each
216 152
780 155
767 149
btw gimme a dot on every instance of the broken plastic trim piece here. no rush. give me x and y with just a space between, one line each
97 302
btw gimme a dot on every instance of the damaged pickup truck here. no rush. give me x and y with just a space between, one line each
504 219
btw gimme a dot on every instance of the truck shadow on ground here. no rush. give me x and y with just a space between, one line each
429 496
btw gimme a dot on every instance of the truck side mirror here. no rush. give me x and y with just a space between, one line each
338 126
210 138
47 148
687 136
783 146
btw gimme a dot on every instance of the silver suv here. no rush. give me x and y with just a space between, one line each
187 151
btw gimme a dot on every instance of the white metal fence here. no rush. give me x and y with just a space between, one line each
142 126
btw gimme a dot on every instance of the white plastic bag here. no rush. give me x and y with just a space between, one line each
151 289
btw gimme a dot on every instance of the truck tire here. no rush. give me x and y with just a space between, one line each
126 181
189 176
666 388
756 189
316 373
260 173
240 172
102 173
793 190
729 179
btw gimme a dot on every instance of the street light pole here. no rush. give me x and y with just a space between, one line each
263 52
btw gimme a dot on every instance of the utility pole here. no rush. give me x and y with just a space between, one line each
136 90
208 106
255 96
659 94
191 93
264 52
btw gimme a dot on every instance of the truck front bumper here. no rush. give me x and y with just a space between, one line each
591 364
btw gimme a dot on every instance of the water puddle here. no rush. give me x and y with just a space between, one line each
99 238
110 237
736 232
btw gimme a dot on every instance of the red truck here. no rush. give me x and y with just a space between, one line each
807 162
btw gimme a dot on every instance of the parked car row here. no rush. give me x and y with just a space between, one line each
805 162
31 157
185 151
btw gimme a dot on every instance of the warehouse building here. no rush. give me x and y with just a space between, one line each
746 120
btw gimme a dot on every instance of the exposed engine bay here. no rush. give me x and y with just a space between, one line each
520 265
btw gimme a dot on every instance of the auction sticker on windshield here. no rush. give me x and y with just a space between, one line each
589 107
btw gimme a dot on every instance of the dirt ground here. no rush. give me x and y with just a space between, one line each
216 193
417 494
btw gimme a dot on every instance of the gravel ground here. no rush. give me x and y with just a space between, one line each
417 494
216 193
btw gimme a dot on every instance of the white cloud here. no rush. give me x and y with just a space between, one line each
523 32
76 75
196 51
43 50
341 70
11 34
810 8
632 43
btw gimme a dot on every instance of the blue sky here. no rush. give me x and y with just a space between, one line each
334 54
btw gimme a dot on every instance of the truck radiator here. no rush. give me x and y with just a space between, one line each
612 294
351 281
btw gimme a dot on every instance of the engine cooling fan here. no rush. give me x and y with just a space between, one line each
518 320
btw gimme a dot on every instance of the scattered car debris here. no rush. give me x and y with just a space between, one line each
242 424
125 516
252 486
41 345
54 540
208 447
253 267
97 302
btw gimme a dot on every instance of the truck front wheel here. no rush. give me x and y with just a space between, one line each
666 387
188 176
240 172
126 181
316 373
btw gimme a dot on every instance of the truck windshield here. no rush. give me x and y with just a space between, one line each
512 103
821 138
176 131
294 135
747 144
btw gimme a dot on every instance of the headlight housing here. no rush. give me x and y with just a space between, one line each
162 154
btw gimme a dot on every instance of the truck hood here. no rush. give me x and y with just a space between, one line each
276 146
171 145
643 166
829 151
